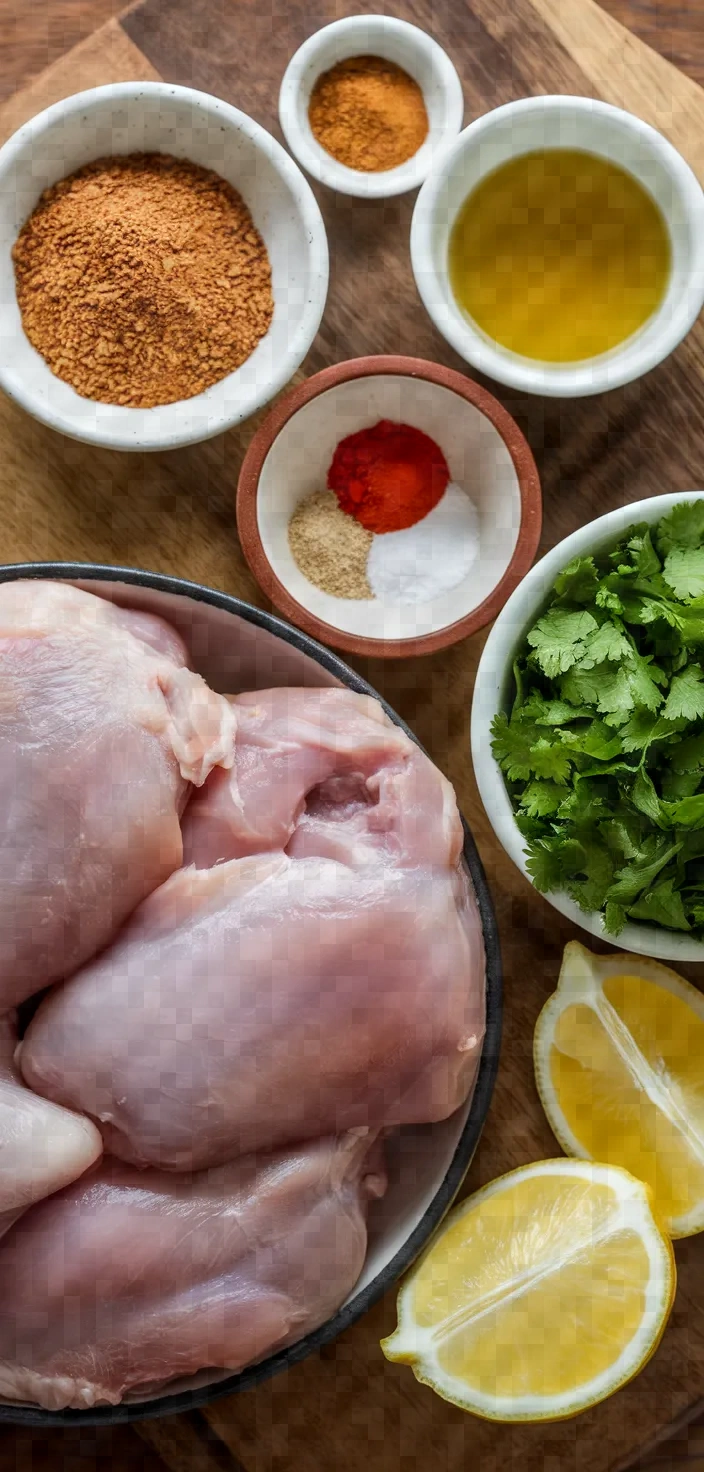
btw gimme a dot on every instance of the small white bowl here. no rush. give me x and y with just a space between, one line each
130 117
492 693
487 454
394 40
593 127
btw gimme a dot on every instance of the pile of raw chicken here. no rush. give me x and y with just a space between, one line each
258 953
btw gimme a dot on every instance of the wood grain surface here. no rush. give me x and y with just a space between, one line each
174 512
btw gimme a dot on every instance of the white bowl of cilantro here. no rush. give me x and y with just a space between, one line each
588 727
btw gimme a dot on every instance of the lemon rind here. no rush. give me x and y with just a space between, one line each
629 1362
579 982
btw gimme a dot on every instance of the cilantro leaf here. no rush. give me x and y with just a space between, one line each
688 755
647 560
686 697
691 623
644 677
684 571
587 802
607 642
543 862
663 905
579 581
646 800
590 886
549 712
676 785
540 799
616 690
643 728
523 751
618 838
614 917
605 687
558 639
550 759
688 812
511 746
600 742
639 873
683 527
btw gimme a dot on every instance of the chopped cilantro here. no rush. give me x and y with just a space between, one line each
603 750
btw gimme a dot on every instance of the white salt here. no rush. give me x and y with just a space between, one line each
430 558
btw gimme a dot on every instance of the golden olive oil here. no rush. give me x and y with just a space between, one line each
559 255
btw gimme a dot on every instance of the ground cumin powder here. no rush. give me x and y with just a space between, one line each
142 280
330 547
368 113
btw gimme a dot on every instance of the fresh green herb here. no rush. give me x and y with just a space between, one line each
603 750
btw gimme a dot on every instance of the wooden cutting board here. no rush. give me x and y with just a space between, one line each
175 513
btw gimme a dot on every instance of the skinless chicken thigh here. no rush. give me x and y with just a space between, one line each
302 755
42 1146
127 1279
102 728
273 998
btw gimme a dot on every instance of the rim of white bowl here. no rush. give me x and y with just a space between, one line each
491 688
118 430
623 364
314 158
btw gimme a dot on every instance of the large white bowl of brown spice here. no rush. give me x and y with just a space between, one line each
163 266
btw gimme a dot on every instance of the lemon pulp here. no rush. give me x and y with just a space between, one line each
630 1081
542 1294
559 255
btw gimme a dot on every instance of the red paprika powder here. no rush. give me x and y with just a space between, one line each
388 477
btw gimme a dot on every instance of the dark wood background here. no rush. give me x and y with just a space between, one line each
592 455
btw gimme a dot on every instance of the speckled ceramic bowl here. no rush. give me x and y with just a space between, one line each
155 117
237 647
493 692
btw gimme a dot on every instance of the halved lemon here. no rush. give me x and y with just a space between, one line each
619 1064
541 1295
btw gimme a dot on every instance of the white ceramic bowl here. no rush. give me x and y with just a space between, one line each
487 455
493 692
394 40
593 127
132 117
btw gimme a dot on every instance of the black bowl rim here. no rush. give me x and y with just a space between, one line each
189 1400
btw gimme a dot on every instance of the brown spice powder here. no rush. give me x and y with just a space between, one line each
142 280
368 113
330 547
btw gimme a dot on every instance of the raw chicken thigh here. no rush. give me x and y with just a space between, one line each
273 998
127 1279
102 727
291 746
42 1147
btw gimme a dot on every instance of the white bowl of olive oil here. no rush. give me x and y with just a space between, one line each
559 246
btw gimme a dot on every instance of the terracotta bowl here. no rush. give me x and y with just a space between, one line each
487 455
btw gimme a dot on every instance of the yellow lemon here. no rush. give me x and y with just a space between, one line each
619 1064
540 1295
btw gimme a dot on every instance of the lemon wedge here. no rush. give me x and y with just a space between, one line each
541 1294
619 1064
